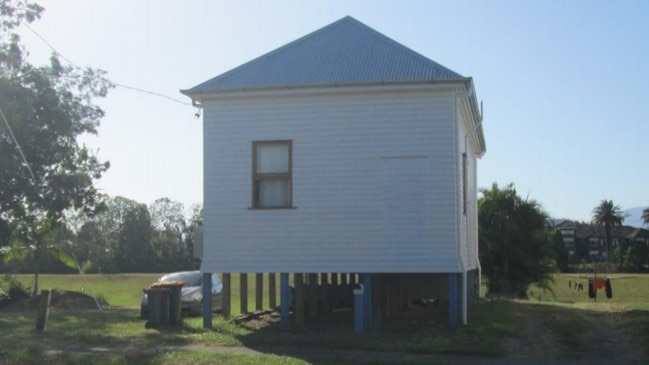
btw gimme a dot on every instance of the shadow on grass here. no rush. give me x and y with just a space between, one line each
85 332
517 330
497 329
330 340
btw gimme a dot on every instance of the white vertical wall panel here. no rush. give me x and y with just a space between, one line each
468 223
473 212
350 151
461 147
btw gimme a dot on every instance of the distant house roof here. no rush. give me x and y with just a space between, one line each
627 232
562 223
344 52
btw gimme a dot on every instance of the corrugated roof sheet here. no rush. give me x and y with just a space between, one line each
344 52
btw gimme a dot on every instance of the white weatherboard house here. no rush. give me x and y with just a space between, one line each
344 152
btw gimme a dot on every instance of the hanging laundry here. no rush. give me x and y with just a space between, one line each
609 289
595 284
599 283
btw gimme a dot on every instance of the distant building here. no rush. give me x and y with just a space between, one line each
586 242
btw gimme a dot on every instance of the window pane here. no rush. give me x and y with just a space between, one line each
272 158
273 193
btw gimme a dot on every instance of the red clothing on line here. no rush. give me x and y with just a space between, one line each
599 283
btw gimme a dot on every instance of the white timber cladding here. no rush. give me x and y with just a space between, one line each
374 182
468 219
473 213
459 149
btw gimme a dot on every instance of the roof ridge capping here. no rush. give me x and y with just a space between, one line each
343 52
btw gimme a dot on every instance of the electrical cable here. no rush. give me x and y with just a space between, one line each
20 150
11 133
113 82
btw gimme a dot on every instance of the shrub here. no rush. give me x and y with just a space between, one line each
11 290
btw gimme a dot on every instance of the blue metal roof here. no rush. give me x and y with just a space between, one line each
344 52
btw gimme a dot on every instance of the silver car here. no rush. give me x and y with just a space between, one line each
191 296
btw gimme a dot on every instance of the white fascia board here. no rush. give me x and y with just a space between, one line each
447 85
469 106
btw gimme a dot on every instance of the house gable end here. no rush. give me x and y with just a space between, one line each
344 52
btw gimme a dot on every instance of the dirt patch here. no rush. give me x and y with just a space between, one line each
533 342
256 321
605 341
64 299
74 300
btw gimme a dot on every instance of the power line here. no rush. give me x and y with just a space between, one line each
144 91
20 150
150 93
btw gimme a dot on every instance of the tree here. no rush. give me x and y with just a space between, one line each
45 171
173 238
194 227
117 239
516 247
607 215
134 252
633 256
169 226
645 216
562 253
94 248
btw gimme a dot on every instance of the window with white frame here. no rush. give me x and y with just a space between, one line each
272 174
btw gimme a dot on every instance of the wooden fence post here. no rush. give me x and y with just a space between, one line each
285 299
299 300
325 302
43 310
313 295
259 291
243 284
272 291
226 295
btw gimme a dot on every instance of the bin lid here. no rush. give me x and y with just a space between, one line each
177 283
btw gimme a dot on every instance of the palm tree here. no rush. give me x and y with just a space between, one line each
607 215
645 216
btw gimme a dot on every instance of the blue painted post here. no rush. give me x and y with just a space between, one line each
452 300
367 301
358 309
284 300
207 300
470 286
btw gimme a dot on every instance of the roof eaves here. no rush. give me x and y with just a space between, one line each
214 92
476 110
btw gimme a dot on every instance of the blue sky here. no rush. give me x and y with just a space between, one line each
563 83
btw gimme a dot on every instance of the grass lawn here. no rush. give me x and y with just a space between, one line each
120 290
568 326
125 290
630 292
